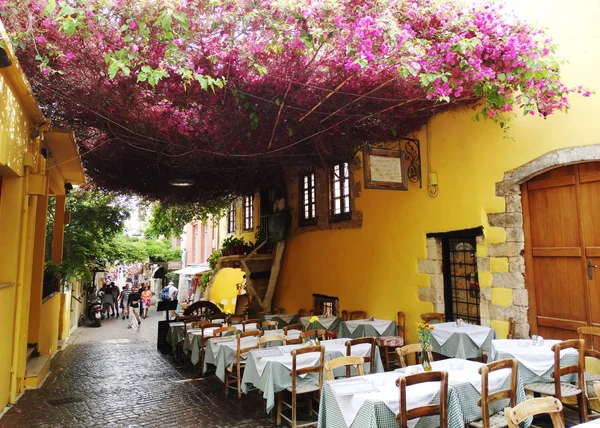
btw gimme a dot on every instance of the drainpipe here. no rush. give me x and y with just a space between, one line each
19 285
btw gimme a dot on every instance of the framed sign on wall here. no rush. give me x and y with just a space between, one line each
385 169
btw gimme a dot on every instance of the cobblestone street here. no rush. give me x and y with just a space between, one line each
113 376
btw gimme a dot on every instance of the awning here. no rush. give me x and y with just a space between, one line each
192 270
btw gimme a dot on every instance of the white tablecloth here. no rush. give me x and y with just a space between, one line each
291 334
460 371
386 392
285 317
379 325
249 327
302 360
442 332
538 359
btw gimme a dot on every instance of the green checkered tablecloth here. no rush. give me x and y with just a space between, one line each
460 345
529 376
376 414
276 377
175 334
331 323
283 319
367 330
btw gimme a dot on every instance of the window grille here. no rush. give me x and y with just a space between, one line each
461 282
326 305
248 212
308 199
231 219
340 191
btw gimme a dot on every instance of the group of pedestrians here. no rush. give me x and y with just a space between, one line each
135 300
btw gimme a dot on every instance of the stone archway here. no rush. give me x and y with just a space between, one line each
506 260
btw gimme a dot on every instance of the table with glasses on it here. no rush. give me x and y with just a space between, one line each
177 331
221 351
283 320
456 340
327 323
536 362
367 328
270 372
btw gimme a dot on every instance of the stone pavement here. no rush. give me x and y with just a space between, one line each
114 377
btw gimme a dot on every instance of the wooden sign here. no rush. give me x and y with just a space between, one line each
385 169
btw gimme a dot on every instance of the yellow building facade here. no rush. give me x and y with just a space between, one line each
36 162
386 258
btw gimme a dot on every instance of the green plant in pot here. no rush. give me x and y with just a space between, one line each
233 246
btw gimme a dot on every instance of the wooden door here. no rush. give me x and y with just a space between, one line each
561 212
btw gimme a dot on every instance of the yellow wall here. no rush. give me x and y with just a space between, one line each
374 268
50 314
224 287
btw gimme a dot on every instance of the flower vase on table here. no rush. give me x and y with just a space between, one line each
424 333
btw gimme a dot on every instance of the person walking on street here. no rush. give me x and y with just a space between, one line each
107 300
134 303
125 301
115 293
169 293
146 299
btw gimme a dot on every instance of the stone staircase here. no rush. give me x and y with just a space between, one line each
37 367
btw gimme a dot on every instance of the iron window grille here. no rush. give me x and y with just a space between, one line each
340 191
231 219
326 305
248 206
308 199
461 281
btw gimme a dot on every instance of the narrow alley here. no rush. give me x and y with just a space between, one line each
114 377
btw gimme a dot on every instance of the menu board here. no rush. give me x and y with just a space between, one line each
385 169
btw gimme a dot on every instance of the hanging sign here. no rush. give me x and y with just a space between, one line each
385 169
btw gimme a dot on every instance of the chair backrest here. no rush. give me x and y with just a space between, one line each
413 348
278 311
204 326
236 319
344 315
305 370
271 338
348 362
592 332
309 334
270 324
433 317
401 325
487 398
302 312
220 331
357 315
300 327
535 406
241 351
194 324
578 368
369 358
316 311
512 325
253 321
429 410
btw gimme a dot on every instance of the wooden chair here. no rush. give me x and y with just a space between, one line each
535 406
296 341
414 348
347 362
269 324
429 410
253 321
240 363
344 315
434 317
312 334
223 330
357 315
203 339
388 344
278 311
263 340
512 325
593 333
315 311
497 420
370 358
560 389
302 312
308 389
237 319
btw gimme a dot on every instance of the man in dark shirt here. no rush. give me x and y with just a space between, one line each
134 304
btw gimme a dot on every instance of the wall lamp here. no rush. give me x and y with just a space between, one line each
181 182
4 59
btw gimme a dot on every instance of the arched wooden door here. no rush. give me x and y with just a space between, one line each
561 213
